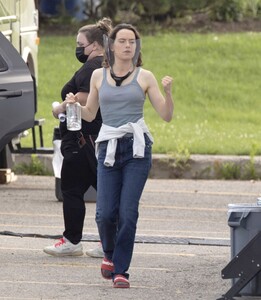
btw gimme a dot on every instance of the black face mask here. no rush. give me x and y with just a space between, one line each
79 52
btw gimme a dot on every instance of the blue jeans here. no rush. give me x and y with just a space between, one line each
119 189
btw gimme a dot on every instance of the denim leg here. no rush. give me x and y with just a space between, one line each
107 205
119 191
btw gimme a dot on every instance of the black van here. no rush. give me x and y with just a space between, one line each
17 93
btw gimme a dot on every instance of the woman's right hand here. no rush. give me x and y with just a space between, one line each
70 98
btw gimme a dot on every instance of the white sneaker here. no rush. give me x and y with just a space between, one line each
64 248
96 252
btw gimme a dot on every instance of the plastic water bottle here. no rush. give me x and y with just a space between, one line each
73 116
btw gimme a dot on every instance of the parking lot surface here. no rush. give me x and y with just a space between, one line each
182 242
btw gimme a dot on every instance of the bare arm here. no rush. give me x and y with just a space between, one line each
162 104
91 107
79 97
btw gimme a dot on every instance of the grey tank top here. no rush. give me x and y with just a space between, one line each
121 104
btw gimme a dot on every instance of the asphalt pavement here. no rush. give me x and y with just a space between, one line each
182 243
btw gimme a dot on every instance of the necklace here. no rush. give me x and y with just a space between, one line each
119 79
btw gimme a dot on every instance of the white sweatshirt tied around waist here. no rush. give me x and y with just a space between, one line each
111 134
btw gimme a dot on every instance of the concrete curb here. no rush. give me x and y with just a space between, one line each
206 167
196 167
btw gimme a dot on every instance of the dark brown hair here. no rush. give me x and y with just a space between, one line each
95 32
113 34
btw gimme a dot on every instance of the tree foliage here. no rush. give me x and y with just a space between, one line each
220 10
155 7
166 11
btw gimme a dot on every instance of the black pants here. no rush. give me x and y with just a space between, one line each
79 172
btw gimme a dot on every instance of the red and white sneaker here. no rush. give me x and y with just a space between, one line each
121 282
64 248
96 252
107 268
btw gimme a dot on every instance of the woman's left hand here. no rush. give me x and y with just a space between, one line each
167 83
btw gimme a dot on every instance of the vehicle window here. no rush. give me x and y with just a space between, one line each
3 65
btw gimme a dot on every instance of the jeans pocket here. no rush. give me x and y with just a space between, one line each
148 142
102 149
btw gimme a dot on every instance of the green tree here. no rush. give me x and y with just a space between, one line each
156 8
228 10
110 8
92 9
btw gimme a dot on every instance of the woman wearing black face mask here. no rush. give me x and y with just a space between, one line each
79 163
80 52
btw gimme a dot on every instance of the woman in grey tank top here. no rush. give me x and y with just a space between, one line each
123 146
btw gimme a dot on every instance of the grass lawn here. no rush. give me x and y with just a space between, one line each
217 89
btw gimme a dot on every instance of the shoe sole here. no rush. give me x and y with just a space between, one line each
120 282
77 253
95 255
106 274
121 286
